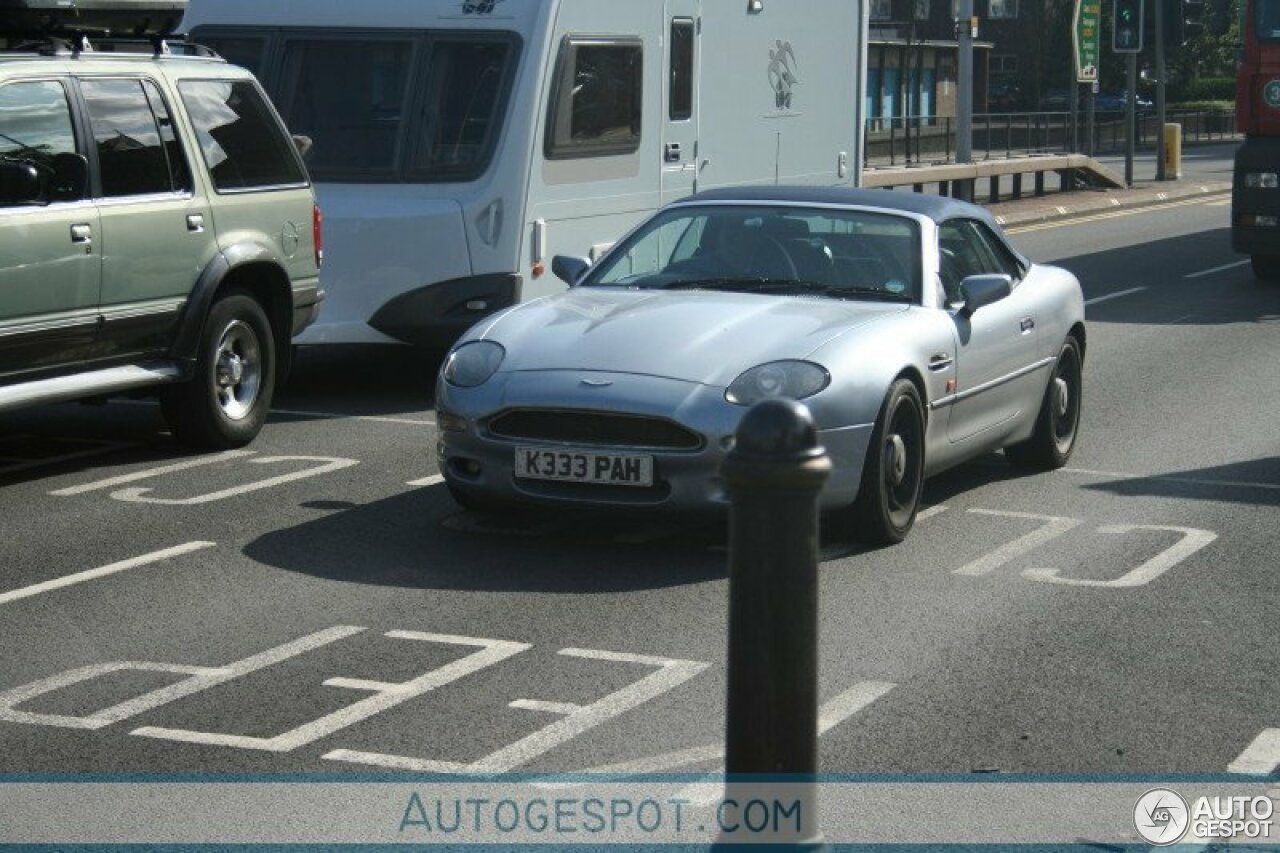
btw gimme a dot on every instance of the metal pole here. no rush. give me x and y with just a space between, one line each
964 95
1090 115
1130 112
773 476
1160 75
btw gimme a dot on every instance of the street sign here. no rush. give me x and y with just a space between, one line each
1085 35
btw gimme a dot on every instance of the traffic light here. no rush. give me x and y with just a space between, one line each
1189 22
1126 28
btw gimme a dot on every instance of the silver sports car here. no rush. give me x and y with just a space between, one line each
916 335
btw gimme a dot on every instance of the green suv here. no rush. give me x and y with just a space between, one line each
158 232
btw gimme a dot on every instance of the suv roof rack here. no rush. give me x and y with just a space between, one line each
73 43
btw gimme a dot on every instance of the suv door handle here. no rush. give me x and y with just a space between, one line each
195 223
81 233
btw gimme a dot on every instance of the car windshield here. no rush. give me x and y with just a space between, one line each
829 252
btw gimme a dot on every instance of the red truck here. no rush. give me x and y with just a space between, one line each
1255 194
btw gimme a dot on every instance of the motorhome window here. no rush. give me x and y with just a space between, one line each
349 96
241 141
596 107
131 152
245 52
466 88
35 127
681 99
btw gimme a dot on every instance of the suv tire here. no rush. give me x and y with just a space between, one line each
226 401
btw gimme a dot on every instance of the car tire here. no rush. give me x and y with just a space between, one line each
893 474
226 401
1058 422
1266 267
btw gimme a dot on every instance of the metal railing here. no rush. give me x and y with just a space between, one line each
918 140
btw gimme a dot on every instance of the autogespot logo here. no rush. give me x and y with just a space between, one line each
1161 816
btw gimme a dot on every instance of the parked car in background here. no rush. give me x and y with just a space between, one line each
914 332
159 231
1057 100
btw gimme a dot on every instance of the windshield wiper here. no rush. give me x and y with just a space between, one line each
784 285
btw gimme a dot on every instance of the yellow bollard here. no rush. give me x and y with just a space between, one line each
1172 151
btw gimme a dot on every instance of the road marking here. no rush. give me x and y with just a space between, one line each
328 464
1112 214
434 479
671 673
1230 266
385 696
198 678
1223 203
931 512
1095 300
103 571
152 472
1193 539
338 416
1195 481
545 707
1260 757
1053 527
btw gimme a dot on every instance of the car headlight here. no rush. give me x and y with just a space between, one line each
1262 180
473 363
793 379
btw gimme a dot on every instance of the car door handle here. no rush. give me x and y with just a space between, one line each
82 233
1027 324
195 223
672 152
939 361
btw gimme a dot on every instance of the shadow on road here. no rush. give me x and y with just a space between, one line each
1256 482
365 380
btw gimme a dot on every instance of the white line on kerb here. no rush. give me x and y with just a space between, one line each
151 472
103 571
1260 757
1095 300
1230 266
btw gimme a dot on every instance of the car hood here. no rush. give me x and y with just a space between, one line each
699 336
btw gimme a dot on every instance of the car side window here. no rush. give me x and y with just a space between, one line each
36 128
132 154
961 253
1004 260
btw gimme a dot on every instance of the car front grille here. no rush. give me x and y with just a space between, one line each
593 428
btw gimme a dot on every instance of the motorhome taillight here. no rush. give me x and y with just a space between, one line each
317 233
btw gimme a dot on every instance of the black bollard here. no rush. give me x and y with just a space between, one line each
773 476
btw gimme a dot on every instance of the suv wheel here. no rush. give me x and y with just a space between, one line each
225 404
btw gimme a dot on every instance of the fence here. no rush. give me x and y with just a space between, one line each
905 140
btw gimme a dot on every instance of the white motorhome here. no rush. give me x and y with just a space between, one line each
459 144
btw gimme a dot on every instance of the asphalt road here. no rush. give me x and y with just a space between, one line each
319 604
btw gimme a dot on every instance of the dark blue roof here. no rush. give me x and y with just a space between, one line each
937 208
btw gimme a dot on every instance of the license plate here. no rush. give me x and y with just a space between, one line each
583 466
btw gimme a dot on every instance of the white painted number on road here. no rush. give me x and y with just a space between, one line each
1053 526
139 494
1193 539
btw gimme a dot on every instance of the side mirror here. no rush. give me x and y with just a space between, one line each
982 290
70 180
569 269
303 144
19 183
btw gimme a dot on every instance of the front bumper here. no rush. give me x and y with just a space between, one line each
479 463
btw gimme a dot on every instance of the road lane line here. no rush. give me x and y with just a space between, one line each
328 464
103 571
844 705
545 707
1260 757
152 472
1229 266
1095 300
338 416
931 512
1051 528
1195 481
1115 214
434 479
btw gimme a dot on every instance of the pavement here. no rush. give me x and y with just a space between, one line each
1062 205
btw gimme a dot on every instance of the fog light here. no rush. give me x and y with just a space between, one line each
449 422
727 442
471 466
1262 180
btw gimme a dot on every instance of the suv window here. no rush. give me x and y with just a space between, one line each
35 126
240 139
133 133
595 110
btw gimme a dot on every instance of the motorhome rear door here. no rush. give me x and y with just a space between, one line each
681 60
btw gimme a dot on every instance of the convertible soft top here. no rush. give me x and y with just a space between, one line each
937 208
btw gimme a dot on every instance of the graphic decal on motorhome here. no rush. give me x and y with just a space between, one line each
479 7
782 68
